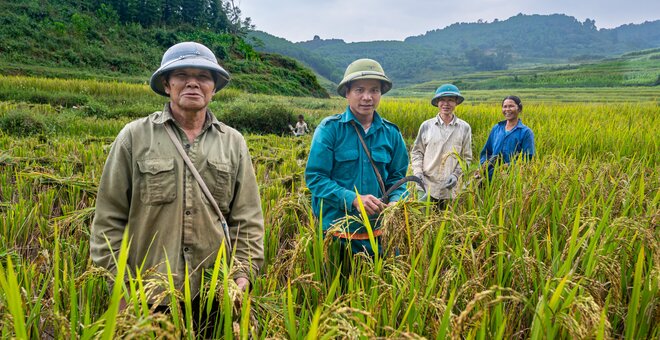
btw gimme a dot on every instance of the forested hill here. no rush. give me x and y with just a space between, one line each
125 40
521 40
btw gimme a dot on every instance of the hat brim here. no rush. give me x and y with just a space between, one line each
437 97
221 76
385 87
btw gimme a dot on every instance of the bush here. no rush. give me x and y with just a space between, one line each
95 109
227 94
22 123
258 118
133 110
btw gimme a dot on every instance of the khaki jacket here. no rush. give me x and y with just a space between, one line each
147 188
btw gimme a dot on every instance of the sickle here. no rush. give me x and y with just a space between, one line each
386 197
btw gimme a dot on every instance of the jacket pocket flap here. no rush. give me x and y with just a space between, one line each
346 155
381 156
220 166
155 166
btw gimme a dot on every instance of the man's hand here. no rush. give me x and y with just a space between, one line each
451 182
242 283
371 204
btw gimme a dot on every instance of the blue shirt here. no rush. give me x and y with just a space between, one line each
337 166
508 145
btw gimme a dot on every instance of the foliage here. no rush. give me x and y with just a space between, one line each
259 118
23 123
482 61
320 64
217 15
111 40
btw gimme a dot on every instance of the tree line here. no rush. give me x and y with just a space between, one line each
222 16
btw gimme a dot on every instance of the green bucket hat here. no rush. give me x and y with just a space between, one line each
447 90
364 69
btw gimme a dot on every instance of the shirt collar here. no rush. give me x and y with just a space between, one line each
439 121
347 116
166 115
519 125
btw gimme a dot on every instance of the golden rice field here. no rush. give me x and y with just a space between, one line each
566 246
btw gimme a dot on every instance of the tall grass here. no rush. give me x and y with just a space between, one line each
565 246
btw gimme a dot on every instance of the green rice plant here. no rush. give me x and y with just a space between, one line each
634 299
563 246
13 299
110 316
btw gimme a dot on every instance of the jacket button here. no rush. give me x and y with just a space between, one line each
187 212
186 249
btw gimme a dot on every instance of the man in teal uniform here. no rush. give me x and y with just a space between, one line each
338 164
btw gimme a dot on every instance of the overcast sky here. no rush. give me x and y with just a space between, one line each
368 20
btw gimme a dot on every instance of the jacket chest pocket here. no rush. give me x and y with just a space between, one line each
381 155
346 164
218 178
157 181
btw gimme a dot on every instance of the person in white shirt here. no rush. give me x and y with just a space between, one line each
301 127
442 147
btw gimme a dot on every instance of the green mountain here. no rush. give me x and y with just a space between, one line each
125 40
640 68
461 48
329 58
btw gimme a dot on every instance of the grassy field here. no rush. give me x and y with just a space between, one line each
566 246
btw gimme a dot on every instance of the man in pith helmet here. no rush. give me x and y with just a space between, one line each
442 143
339 161
147 188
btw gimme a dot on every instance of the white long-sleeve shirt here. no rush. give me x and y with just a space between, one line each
436 153
301 128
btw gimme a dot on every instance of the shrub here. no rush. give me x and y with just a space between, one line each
257 117
227 95
133 110
95 109
21 122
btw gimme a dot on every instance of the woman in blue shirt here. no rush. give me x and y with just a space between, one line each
509 138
